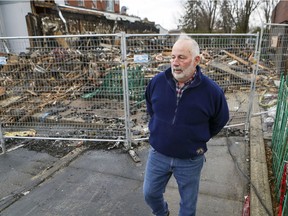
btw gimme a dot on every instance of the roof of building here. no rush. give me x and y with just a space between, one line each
108 15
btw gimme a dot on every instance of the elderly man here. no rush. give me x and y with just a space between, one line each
186 109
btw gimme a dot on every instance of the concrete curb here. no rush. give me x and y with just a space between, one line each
258 168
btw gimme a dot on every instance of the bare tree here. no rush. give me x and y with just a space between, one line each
200 15
227 21
190 21
267 7
208 14
235 14
218 15
243 10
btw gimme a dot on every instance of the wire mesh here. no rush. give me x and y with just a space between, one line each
74 86
227 59
62 86
274 44
273 66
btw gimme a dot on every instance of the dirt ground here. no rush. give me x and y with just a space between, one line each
55 148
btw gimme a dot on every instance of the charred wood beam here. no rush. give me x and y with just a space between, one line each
224 68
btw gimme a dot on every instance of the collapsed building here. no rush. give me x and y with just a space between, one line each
54 18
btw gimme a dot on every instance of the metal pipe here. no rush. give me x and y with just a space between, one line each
125 90
61 17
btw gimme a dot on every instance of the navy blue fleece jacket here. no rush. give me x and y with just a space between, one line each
182 130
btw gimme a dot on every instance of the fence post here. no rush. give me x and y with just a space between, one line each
253 82
2 142
125 86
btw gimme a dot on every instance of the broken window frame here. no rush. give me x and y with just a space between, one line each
110 6
94 4
81 3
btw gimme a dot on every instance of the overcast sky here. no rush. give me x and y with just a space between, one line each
163 12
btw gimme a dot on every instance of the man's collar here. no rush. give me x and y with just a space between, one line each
188 81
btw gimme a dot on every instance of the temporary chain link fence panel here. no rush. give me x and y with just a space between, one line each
62 87
92 86
273 47
273 61
228 59
273 68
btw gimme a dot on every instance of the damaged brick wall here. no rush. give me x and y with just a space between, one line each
46 20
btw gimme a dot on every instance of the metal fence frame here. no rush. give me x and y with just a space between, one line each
239 40
273 46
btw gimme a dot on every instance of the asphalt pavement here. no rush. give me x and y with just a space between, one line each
99 182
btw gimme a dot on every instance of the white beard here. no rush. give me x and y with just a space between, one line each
185 74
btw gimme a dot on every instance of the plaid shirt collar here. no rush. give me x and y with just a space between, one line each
180 90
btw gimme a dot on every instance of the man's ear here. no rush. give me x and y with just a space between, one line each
197 59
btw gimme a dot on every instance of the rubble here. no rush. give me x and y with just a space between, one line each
41 85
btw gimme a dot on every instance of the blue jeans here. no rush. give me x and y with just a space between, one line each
159 169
